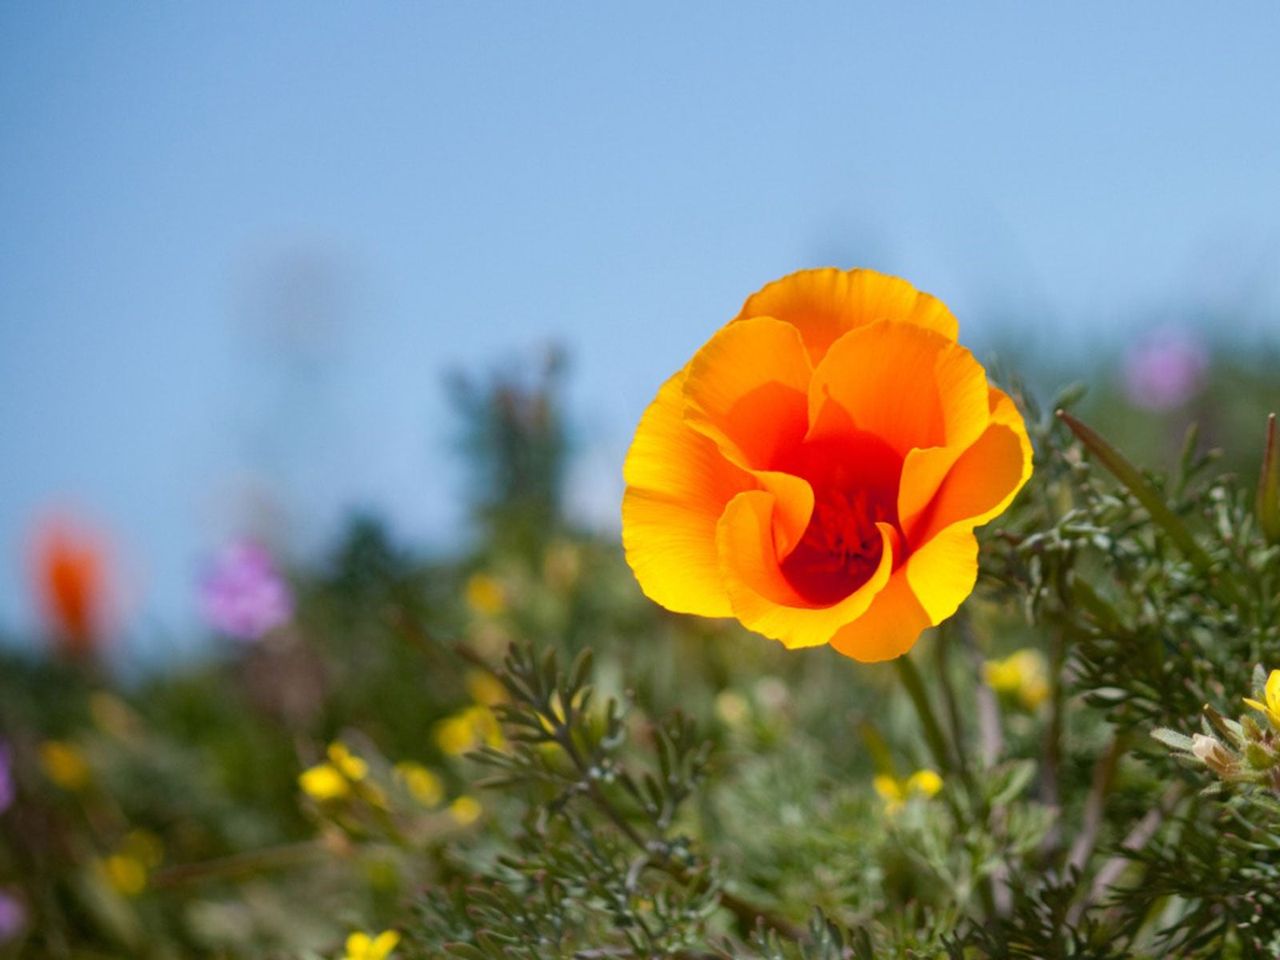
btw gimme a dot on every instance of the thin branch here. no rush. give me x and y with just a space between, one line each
238 864
1136 839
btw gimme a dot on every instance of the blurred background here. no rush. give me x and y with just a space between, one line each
243 249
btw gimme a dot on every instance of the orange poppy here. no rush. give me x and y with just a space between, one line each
69 568
818 468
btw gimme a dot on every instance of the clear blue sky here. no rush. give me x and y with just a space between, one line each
240 243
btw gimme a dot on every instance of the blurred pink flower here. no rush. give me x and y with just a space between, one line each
243 593
6 777
1165 369
13 917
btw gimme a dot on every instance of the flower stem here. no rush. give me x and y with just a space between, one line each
928 720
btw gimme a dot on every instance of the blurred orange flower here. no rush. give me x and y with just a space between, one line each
69 567
817 469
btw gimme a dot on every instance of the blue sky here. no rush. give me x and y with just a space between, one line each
240 244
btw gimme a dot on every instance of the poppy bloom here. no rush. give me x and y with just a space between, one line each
818 468
70 571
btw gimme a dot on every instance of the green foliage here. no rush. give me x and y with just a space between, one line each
681 788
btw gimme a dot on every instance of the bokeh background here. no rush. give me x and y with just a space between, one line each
243 247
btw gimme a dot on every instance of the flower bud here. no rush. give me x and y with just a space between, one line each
1213 755
1259 757
1269 486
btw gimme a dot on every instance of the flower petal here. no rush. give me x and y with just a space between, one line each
384 944
761 595
889 628
747 389
827 303
983 480
909 386
942 572
678 484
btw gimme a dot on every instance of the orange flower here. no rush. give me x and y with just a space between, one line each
818 468
69 568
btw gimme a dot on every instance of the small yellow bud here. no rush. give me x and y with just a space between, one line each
64 765
485 594
467 729
1021 675
361 946
125 875
322 783
895 793
423 785
924 782
484 688
888 788
465 810
346 762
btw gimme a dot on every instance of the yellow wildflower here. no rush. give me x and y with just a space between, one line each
125 874
1272 707
485 594
361 946
465 810
896 792
1021 675
485 688
323 782
927 783
347 763
467 729
64 765
424 786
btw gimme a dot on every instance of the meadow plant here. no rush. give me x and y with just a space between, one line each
516 753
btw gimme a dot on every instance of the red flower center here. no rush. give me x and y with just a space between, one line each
855 486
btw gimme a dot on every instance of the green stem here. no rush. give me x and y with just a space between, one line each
1150 498
928 720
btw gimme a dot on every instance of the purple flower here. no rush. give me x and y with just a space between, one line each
6 777
13 917
243 594
1165 370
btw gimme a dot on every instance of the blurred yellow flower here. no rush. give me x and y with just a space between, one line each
323 782
125 874
361 946
732 707
1272 707
423 785
465 810
1023 675
485 688
896 792
468 729
485 594
64 765
347 763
